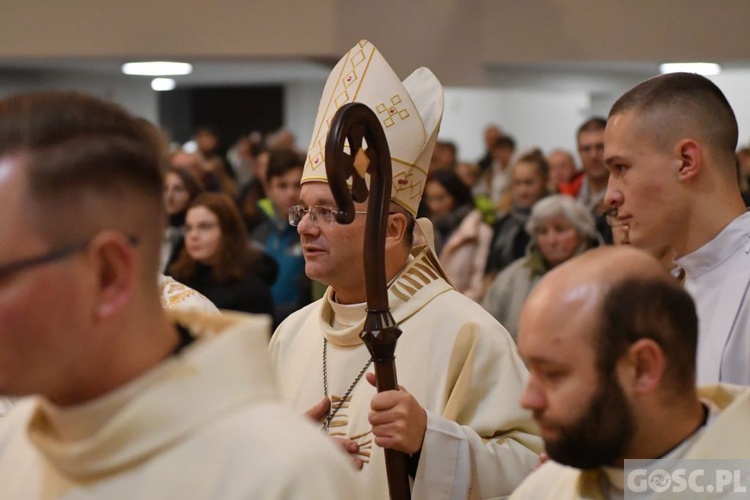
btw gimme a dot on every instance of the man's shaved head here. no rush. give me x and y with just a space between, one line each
630 296
683 105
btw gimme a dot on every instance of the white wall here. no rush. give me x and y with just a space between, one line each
542 117
736 86
300 108
548 118
535 118
133 93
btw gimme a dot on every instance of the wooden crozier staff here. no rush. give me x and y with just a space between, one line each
351 123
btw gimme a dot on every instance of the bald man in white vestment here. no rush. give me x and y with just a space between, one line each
610 338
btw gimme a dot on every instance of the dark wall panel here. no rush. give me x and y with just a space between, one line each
234 110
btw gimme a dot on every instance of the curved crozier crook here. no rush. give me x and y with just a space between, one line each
350 125
343 132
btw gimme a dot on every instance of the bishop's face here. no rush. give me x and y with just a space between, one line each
333 252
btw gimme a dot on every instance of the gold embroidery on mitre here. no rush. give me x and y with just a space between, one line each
410 166
351 77
342 99
363 75
388 113
347 87
406 184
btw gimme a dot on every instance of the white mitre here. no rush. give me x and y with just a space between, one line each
409 111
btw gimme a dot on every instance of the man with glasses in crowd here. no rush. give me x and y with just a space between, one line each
460 421
132 403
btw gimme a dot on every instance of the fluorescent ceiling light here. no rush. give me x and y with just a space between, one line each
163 84
700 68
157 68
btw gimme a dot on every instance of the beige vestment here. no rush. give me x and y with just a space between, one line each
204 424
453 357
726 436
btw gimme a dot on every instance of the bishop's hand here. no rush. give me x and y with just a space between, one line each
398 421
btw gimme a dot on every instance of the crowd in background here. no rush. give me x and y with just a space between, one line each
228 235
607 358
500 223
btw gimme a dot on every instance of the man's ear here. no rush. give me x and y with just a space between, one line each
643 366
114 258
395 229
688 159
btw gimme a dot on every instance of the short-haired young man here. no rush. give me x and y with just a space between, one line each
670 148
125 400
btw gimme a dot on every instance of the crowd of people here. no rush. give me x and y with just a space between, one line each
555 322
479 210
228 235
480 213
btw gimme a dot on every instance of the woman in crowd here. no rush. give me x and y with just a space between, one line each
462 236
181 187
560 229
217 260
509 237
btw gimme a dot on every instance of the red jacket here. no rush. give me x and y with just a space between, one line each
573 186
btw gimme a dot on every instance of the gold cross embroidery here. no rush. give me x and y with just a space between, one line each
390 112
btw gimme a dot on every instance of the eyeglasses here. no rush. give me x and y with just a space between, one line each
326 215
49 257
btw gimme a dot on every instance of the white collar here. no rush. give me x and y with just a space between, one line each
712 254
